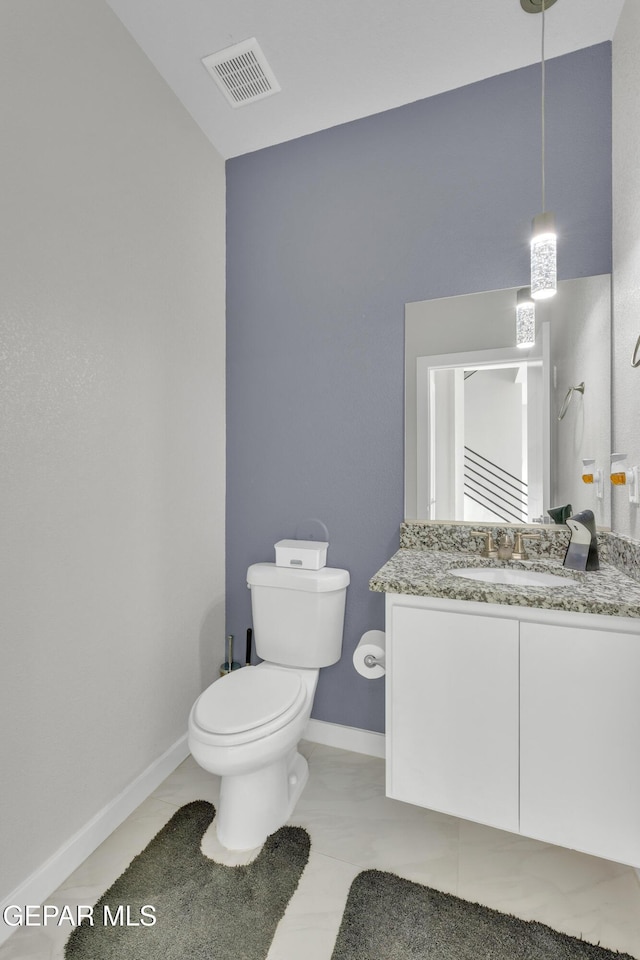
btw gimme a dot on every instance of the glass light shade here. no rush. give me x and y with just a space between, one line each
544 278
525 319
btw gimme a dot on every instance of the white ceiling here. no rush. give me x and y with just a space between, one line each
337 60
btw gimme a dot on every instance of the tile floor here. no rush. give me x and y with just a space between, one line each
353 826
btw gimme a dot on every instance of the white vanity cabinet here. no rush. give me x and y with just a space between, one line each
524 719
580 739
452 702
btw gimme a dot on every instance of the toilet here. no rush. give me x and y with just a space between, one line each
247 725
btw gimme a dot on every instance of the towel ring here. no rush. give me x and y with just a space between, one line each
567 399
635 360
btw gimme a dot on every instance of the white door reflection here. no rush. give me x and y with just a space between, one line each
482 454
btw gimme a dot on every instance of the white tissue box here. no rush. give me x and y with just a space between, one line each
304 554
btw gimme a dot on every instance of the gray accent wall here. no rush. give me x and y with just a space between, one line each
327 237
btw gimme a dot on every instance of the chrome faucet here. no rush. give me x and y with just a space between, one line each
519 552
505 548
489 549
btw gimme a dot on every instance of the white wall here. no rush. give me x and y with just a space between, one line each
626 254
112 447
446 446
534 415
580 337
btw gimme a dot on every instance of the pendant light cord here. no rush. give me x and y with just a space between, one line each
542 111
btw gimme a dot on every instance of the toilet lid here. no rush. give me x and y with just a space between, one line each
248 698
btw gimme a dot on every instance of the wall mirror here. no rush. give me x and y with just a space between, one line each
483 438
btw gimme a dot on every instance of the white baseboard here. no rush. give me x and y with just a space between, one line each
54 871
345 738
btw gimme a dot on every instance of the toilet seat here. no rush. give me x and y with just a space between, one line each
248 704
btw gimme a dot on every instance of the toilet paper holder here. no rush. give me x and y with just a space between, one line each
371 661
369 655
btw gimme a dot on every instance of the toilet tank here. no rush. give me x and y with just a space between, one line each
298 615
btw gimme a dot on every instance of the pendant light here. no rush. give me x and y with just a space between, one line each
525 319
543 234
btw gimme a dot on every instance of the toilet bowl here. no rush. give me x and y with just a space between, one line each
245 728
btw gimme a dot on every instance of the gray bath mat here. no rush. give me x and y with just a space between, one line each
203 910
387 918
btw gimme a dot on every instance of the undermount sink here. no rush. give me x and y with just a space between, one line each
513 578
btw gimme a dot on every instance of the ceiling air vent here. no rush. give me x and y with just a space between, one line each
242 73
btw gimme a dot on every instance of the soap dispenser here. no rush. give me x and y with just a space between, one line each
582 552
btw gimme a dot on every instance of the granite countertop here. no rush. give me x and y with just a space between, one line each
424 573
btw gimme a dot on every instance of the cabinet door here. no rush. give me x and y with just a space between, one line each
580 735
452 731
